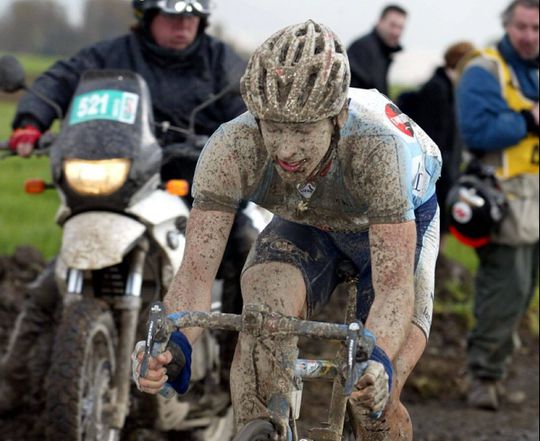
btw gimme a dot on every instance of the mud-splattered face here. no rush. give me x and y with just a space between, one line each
297 149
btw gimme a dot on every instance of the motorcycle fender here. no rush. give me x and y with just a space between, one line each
98 239
159 207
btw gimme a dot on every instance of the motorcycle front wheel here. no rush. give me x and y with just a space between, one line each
221 428
80 395
256 430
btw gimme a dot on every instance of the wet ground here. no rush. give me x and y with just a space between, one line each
434 395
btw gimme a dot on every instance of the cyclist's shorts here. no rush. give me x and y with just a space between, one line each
317 254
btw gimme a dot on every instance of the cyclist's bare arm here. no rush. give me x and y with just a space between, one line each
392 256
206 235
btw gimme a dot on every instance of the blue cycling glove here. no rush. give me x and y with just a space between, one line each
179 369
380 356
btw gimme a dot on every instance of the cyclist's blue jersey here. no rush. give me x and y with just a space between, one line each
423 162
383 168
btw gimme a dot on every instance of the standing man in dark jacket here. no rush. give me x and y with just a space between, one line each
497 100
371 55
434 111
183 67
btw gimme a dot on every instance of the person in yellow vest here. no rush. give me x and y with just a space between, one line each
497 103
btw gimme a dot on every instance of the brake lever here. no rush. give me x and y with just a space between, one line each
360 345
158 333
353 335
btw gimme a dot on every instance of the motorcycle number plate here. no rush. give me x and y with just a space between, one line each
112 105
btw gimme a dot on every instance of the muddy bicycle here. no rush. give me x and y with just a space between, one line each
257 320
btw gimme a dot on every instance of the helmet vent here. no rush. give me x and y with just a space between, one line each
283 93
298 54
308 89
334 92
319 48
283 54
262 85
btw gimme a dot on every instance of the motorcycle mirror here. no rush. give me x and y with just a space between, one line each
230 88
12 77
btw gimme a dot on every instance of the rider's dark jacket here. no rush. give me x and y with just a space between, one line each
178 80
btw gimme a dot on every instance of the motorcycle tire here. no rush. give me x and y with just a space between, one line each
221 428
80 393
257 430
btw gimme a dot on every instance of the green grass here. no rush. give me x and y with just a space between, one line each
27 219
463 254
7 110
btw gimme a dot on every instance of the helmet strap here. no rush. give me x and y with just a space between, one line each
327 158
308 187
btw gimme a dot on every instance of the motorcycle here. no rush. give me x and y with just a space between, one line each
123 237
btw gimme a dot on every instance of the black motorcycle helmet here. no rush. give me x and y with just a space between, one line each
475 207
148 8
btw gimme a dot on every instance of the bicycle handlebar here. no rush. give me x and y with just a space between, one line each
256 318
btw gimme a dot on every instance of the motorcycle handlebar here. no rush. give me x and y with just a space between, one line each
180 151
5 151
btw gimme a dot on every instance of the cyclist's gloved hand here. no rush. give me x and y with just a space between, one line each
374 386
172 366
24 139
179 369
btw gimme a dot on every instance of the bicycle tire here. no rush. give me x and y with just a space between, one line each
256 430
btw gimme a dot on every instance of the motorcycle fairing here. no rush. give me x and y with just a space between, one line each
159 207
98 239
160 210
115 122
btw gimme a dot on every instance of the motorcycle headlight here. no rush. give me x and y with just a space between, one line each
96 178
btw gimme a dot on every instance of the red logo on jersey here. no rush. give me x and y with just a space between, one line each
399 119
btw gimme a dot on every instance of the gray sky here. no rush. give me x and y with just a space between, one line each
432 24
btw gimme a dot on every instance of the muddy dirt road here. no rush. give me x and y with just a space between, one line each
434 394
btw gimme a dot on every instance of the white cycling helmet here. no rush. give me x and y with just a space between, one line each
300 74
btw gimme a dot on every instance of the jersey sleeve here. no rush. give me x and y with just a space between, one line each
217 182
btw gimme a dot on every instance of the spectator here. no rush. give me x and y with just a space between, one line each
497 101
434 111
371 55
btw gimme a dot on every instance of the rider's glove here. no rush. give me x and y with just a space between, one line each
380 356
179 369
28 134
379 369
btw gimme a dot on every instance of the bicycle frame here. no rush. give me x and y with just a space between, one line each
344 370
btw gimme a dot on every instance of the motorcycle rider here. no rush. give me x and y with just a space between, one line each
183 66
347 176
